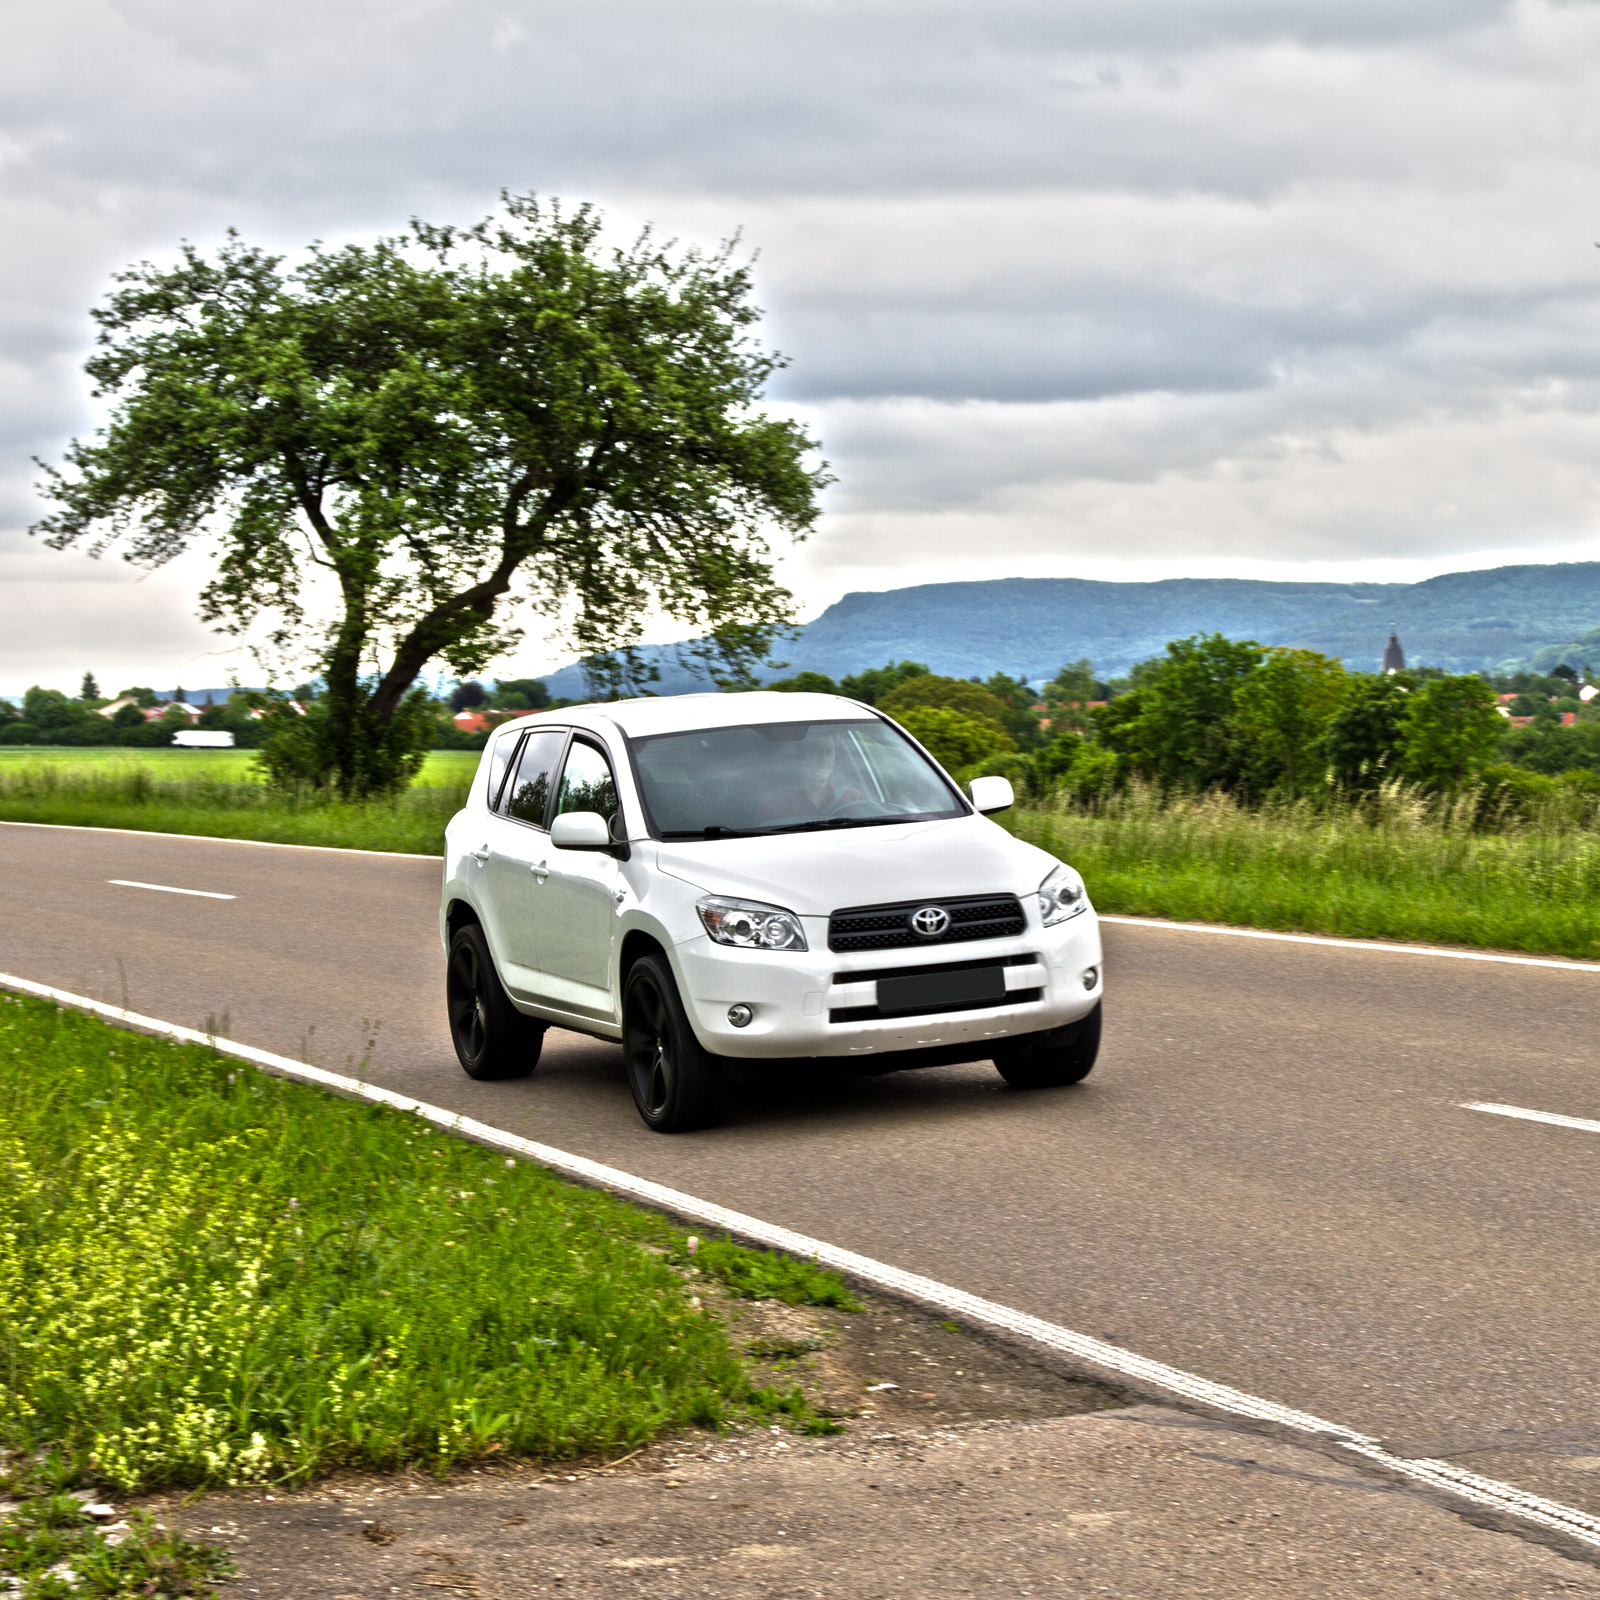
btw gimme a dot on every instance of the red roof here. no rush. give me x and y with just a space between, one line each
470 721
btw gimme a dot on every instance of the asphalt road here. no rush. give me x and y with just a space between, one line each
1267 1180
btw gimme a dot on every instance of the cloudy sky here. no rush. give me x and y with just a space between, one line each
1109 288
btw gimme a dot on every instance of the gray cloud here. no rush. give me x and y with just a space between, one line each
1182 282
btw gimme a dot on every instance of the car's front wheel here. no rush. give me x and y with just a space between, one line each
676 1085
492 1038
1051 1060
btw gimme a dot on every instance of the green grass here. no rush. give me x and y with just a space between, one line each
1399 870
209 1275
216 792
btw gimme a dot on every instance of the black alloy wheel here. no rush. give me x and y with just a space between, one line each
492 1038
676 1084
1051 1060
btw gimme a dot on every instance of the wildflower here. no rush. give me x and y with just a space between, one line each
694 1244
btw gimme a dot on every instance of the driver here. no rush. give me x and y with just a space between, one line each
807 790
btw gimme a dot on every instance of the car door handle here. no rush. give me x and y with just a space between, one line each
481 854
540 870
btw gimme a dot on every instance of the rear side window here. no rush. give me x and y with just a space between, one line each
505 744
586 782
527 796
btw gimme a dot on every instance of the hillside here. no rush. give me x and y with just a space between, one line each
1462 621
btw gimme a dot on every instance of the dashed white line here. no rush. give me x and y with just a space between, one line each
1355 944
1523 1114
167 888
1490 1493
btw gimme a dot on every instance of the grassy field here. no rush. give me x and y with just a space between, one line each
1401 872
217 792
212 1276
443 769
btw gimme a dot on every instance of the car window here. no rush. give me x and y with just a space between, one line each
528 794
780 777
586 782
505 745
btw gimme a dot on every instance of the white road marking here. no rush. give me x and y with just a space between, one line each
167 888
1488 1492
1522 1114
1355 944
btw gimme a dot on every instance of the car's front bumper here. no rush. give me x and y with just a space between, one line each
796 996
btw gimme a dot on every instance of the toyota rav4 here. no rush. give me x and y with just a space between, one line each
737 884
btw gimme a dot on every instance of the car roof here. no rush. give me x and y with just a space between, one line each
683 713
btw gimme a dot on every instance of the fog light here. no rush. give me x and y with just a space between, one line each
740 1016
1091 976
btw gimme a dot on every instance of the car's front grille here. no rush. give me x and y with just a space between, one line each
988 916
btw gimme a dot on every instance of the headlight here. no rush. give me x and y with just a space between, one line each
1062 895
751 925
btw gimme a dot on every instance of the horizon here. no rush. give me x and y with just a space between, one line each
568 661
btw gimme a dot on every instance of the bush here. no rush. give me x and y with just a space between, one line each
958 743
300 753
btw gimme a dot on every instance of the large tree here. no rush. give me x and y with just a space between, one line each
444 423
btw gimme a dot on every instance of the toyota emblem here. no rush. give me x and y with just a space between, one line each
930 922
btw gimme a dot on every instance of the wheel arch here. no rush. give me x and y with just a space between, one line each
636 943
457 915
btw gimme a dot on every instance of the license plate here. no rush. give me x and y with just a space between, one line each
933 991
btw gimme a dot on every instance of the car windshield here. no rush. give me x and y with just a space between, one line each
787 777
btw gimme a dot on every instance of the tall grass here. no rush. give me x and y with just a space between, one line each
209 1275
1399 867
229 802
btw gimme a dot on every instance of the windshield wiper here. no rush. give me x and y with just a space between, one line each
826 824
715 831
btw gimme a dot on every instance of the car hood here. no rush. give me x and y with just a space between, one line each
815 874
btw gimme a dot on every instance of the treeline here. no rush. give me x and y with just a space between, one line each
1253 721
139 718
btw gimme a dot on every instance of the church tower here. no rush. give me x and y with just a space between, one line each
1394 658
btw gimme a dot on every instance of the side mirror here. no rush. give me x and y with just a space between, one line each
580 830
991 794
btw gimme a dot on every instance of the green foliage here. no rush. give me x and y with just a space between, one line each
520 694
751 1274
216 793
1362 742
1177 724
311 751
1017 716
89 689
1450 731
1279 713
960 744
445 415
209 1276
872 684
970 700
43 1529
806 683
1079 769
1399 865
1550 748
1068 695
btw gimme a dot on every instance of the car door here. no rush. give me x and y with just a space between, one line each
579 899
518 849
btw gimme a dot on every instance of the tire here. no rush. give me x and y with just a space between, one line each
493 1039
676 1084
1052 1060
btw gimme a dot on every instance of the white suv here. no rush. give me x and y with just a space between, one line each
730 884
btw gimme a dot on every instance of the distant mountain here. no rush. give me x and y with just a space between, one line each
1462 621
